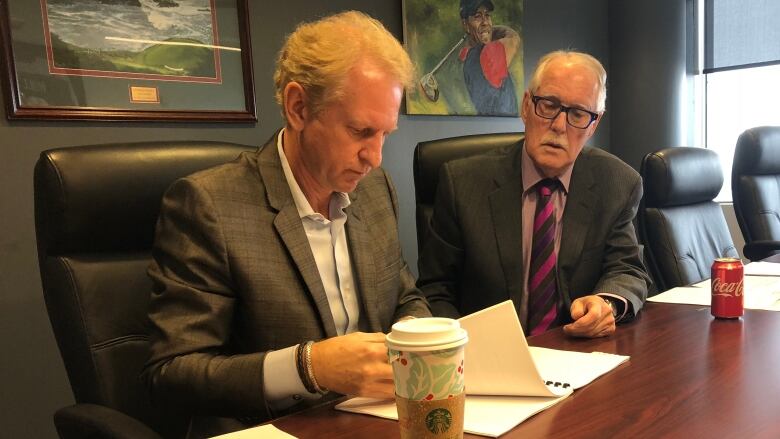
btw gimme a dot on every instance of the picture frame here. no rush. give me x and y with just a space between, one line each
127 60
457 73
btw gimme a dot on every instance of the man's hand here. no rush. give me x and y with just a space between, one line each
354 364
592 317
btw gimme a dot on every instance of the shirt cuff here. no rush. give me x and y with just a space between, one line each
283 386
623 308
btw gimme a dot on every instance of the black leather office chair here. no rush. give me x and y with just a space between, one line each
430 155
755 188
682 228
95 214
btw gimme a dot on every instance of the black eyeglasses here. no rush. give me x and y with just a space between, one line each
550 109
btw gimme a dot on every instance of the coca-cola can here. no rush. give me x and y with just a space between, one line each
727 281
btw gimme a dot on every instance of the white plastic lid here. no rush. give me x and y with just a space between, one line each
426 334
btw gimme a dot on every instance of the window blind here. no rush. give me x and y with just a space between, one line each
740 34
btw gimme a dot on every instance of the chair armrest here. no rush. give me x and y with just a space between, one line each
758 250
95 421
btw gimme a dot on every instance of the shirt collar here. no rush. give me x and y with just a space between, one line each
338 200
531 174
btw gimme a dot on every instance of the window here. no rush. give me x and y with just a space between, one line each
740 88
735 101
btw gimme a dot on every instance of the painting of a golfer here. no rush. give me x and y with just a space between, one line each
469 56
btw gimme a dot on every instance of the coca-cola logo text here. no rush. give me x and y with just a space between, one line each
727 289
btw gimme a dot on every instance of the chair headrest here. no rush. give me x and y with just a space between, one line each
430 155
758 152
101 198
681 175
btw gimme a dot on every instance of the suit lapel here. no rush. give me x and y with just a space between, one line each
577 218
363 264
507 215
290 228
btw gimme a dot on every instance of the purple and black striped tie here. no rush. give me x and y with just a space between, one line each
542 297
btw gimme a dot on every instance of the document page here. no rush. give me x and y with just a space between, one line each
506 380
498 361
760 292
263 431
761 268
484 415
577 369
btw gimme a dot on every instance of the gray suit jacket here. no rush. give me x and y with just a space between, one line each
473 256
234 277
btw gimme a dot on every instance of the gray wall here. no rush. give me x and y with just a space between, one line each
651 83
33 378
647 41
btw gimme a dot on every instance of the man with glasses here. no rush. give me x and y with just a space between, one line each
545 222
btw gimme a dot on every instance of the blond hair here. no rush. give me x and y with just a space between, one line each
580 58
318 56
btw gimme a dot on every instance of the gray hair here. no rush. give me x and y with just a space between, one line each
580 58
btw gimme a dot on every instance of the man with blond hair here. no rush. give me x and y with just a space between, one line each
545 222
275 275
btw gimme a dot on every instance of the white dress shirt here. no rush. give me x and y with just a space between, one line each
328 242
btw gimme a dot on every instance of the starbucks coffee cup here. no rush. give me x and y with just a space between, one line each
427 355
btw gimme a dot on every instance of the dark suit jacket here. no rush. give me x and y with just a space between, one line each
234 277
472 258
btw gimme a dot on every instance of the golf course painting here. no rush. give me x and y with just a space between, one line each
468 55
168 40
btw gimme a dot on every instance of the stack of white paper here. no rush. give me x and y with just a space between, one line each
484 415
506 380
762 269
760 292
263 431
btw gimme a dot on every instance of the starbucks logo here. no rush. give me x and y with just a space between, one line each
438 421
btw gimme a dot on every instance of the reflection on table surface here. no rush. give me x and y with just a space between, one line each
689 374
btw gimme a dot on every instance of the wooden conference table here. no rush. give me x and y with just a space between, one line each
689 376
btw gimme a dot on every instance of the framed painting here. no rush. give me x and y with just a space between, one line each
145 60
468 55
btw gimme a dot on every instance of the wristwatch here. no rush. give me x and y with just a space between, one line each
612 306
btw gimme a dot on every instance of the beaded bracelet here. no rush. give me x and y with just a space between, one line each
310 370
300 363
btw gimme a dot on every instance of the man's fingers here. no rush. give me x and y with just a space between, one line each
371 337
599 331
592 318
577 309
381 390
605 327
585 322
574 330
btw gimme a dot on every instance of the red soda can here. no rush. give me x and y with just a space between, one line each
727 282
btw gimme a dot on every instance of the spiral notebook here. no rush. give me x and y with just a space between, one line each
500 362
507 381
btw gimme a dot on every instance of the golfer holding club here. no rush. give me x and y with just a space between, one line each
486 57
